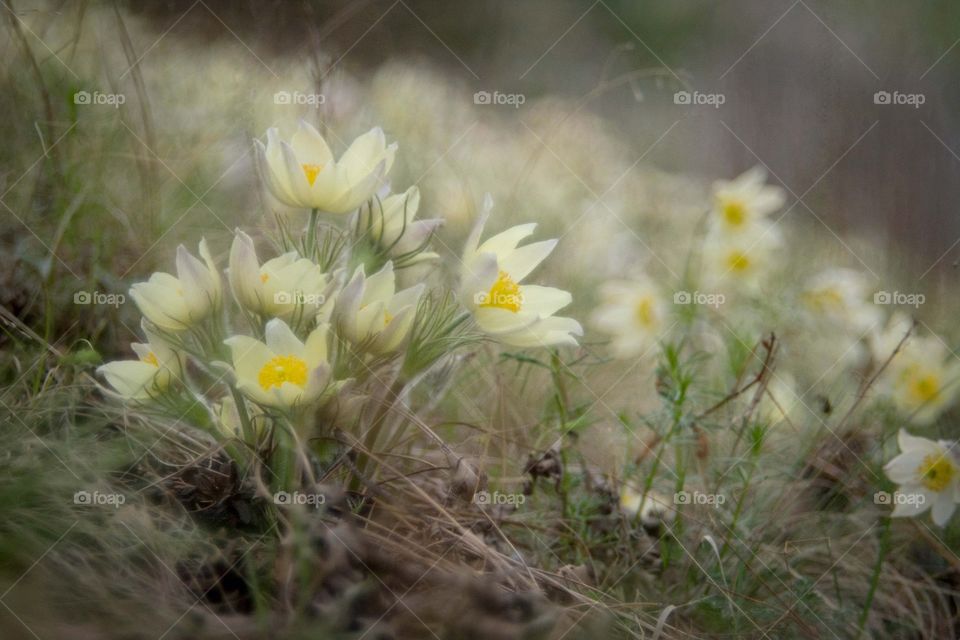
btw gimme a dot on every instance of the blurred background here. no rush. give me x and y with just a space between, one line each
95 195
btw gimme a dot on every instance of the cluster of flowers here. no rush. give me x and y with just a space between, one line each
312 318
739 248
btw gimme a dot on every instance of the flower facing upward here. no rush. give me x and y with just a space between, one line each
923 378
303 172
280 287
391 226
372 314
282 372
142 379
178 303
740 261
746 199
514 314
633 313
928 475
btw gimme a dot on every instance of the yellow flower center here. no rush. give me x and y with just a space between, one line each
825 300
734 213
311 171
645 313
151 358
386 317
936 471
926 388
738 261
504 294
264 277
282 369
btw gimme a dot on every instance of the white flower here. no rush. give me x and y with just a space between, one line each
634 313
391 226
654 509
841 296
745 200
740 261
928 475
514 314
372 314
303 172
282 372
281 287
140 380
178 303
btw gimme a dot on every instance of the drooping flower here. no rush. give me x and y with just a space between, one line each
512 313
176 303
929 477
280 287
391 226
372 314
281 372
633 313
841 296
746 199
303 172
150 375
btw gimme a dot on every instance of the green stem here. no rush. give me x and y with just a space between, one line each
311 242
875 580
284 460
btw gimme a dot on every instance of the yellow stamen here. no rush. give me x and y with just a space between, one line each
645 313
504 294
824 300
936 471
282 369
926 388
734 213
264 277
387 318
311 171
738 261
151 358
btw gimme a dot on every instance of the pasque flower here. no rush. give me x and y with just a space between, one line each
372 314
923 379
928 475
514 314
746 199
391 225
150 375
176 303
303 172
281 372
280 286
633 313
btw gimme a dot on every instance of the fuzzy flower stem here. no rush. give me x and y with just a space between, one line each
311 242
